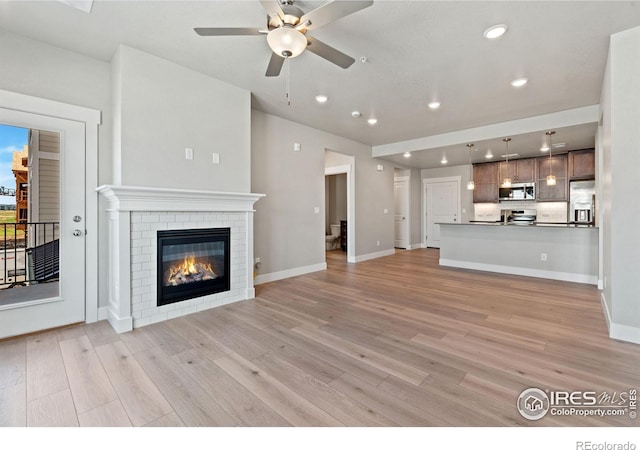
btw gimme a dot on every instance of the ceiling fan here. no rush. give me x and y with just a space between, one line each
287 26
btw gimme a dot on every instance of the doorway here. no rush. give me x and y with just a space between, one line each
75 130
441 205
341 164
401 208
336 218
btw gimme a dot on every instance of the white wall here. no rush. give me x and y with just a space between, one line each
165 108
288 235
621 160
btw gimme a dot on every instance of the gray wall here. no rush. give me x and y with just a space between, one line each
287 233
165 108
415 207
466 196
621 160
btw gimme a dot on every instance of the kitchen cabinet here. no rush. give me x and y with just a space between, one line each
582 164
558 166
519 170
485 178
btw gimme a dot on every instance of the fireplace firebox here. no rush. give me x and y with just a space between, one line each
192 263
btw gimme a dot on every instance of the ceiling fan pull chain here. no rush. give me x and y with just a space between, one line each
287 81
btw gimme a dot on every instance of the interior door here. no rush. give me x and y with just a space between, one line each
442 201
401 205
50 304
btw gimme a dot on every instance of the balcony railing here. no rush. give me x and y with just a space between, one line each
29 253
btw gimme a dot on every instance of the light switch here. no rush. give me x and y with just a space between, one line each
216 158
386 211
380 167
188 153
316 210
297 147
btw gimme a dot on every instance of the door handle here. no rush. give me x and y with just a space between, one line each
77 233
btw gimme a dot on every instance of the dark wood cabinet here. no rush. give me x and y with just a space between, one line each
485 178
558 166
519 170
582 164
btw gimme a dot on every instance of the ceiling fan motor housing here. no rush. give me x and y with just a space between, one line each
291 17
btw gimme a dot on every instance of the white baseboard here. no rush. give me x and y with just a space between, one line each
249 294
600 285
415 246
523 271
103 313
121 325
275 276
375 255
617 330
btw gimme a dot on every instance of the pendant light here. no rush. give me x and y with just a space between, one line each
551 179
506 182
470 185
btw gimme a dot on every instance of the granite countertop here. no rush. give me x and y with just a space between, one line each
534 224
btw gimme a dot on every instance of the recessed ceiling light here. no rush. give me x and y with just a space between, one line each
489 155
372 121
444 160
519 82
356 114
407 154
495 31
434 105
321 98
544 148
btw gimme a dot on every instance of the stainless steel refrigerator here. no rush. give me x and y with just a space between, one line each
582 196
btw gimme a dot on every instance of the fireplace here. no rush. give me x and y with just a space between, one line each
192 263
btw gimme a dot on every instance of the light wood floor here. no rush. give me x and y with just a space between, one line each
396 341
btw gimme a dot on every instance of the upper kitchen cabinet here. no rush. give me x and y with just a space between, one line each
485 178
519 170
582 164
557 165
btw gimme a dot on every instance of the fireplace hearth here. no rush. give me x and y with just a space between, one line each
192 263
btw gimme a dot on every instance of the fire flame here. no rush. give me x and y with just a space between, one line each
188 267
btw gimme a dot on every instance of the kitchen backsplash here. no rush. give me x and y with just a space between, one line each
545 211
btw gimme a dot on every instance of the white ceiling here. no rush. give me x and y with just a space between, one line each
417 51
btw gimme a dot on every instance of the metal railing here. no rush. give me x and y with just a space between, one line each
29 253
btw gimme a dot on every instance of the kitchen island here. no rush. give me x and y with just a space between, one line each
556 251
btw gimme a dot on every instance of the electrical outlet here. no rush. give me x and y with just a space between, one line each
258 260
543 256
378 243
386 211
215 158
188 153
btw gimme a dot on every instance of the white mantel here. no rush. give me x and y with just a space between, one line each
135 216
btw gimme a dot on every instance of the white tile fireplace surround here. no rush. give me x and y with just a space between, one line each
135 216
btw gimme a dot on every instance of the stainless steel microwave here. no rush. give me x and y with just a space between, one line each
518 191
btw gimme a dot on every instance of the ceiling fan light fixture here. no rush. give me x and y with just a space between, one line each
321 98
372 121
286 41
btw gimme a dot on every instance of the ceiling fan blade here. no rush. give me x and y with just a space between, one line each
329 53
333 11
275 65
272 6
228 31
